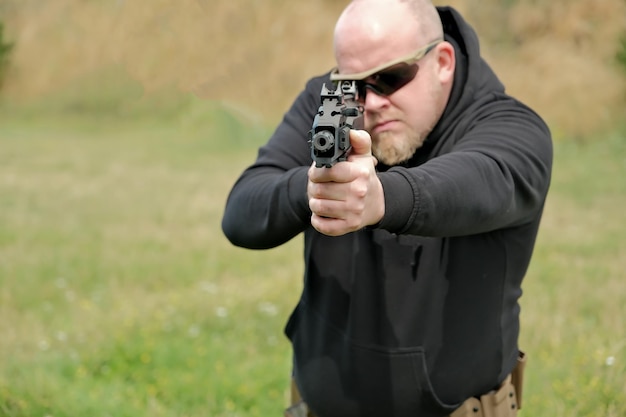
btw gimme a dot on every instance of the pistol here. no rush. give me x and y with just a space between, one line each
329 137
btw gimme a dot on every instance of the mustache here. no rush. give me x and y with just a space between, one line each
373 117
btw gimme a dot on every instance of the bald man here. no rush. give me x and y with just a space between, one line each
416 246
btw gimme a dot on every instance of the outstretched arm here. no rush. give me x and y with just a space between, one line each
268 204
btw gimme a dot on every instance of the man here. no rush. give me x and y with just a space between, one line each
416 246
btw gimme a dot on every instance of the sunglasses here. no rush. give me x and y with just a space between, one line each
388 78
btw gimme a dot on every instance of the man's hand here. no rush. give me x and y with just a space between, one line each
348 196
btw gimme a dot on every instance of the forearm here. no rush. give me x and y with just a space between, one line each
431 202
473 189
267 207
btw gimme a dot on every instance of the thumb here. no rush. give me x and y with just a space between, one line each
361 143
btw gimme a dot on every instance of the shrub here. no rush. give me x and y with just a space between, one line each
5 50
621 52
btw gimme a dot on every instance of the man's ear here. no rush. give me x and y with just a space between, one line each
446 62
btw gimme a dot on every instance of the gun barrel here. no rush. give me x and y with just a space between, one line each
329 137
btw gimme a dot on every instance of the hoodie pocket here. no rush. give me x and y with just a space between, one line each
339 378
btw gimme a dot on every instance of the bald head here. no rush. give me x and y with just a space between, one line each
373 37
393 24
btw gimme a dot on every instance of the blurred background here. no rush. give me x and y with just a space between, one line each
566 58
124 124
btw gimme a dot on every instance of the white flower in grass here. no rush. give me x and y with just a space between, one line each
610 361
193 331
268 308
208 287
221 312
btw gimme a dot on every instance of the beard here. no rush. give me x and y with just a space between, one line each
393 148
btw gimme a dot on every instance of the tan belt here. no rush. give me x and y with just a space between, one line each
503 402
500 403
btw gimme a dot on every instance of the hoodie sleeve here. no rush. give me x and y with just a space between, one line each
495 176
268 204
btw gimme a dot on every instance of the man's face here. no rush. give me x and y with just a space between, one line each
398 121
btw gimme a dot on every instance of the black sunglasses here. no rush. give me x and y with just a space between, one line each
388 78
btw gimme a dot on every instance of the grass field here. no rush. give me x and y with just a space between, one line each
119 295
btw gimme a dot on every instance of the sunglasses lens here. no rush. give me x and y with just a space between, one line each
388 81
393 79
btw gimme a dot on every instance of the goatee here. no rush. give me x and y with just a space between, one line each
392 148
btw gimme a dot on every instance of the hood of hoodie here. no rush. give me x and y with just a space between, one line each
473 80
473 77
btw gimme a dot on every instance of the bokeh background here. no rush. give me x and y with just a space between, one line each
124 124
559 56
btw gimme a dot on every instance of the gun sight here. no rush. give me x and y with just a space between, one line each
329 137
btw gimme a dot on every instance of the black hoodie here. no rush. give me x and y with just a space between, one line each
412 317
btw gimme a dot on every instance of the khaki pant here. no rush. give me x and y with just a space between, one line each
503 402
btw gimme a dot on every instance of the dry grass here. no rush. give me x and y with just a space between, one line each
558 56
239 51
564 62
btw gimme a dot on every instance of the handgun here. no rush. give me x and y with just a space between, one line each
329 137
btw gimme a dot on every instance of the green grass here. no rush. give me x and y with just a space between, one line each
574 307
119 295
